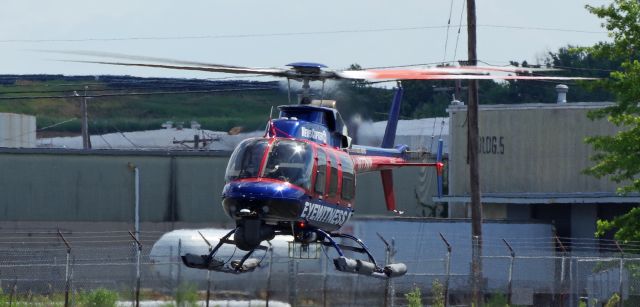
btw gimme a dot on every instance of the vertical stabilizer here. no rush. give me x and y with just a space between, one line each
388 142
392 124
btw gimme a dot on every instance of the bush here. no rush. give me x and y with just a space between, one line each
497 300
614 300
437 292
414 298
187 295
100 297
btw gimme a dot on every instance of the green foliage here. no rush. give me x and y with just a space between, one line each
617 156
414 297
497 300
187 295
437 293
100 297
213 110
613 301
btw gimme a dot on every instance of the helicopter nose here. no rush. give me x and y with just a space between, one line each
254 189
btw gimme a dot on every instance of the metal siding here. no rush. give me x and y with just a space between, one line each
99 186
370 196
62 187
201 180
544 151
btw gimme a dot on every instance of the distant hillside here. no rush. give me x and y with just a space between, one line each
125 103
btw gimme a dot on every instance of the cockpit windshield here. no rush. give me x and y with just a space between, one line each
290 161
245 160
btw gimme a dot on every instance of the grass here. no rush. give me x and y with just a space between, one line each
100 297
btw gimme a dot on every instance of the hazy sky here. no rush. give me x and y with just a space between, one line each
263 33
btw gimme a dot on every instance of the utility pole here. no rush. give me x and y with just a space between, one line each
86 142
472 153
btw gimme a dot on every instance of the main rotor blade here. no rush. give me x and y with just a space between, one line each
210 68
431 74
168 63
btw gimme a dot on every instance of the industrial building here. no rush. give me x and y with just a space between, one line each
17 130
532 161
532 158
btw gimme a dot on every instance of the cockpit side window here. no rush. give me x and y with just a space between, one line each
321 174
348 178
290 161
333 177
246 159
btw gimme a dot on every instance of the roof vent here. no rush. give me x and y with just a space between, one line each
562 90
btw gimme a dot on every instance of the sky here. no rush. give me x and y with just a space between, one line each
261 33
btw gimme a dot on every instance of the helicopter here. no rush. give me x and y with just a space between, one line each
299 178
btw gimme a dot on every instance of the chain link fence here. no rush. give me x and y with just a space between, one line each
39 268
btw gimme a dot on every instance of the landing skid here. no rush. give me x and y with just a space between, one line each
357 266
212 263
341 263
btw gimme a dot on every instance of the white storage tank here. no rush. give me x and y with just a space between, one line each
17 130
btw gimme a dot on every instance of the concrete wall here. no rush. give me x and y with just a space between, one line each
75 185
17 130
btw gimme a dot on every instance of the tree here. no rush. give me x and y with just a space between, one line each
618 156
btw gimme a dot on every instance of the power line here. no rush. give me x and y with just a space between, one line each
455 50
258 35
108 89
146 80
138 94
446 39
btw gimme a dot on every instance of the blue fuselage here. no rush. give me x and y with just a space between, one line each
278 202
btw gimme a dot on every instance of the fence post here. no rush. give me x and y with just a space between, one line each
269 274
447 270
510 280
562 271
620 282
66 274
179 268
325 271
14 290
292 282
389 253
139 252
209 271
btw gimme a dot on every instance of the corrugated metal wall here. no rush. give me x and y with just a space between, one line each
72 185
532 148
527 148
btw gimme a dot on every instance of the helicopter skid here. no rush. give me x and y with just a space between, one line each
212 263
357 266
203 262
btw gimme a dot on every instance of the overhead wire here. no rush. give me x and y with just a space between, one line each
13 138
138 94
446 38
134 80
284 34
455 50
